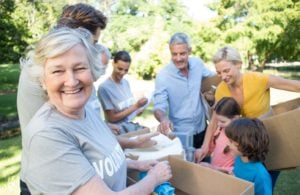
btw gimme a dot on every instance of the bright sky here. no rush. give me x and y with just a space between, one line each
198 10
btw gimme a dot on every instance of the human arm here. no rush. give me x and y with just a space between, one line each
144 165
209 97
157 174
203 151
114 128
161 103
283 84
141 141
165 124
114 116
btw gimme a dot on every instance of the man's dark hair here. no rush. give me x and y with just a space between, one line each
123 56
82 15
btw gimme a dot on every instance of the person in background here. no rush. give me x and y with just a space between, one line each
177 103
104 55
249 141
227 110
116 97
65 136
84 16
30 95
141 141
250 89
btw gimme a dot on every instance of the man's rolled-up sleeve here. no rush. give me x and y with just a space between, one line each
160 95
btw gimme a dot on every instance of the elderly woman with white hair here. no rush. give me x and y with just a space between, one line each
67 149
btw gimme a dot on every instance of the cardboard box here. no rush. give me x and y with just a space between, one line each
193 179
286 106
208 82
284 132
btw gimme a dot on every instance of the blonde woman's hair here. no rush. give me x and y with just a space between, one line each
227 53
57 42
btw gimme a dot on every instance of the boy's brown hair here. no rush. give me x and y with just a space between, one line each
251 136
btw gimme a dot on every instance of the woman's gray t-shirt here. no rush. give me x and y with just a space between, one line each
60 154
115 96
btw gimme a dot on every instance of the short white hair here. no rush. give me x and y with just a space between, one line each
180 38
57 42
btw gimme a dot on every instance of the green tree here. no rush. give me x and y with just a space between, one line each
262 28
143 28
12 34
22 23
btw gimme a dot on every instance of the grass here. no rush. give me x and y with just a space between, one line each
288 182
8 106
10 155
9 76
10 149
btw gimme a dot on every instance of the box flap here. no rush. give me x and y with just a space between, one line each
284 132
195 179
208 82
286 106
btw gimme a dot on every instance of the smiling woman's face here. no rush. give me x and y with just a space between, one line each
68 81
227 71
120 69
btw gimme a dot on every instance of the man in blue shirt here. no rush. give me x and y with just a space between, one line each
178 104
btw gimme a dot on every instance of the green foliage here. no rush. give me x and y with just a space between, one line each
270 28
22 23
288 182
143 28
8 106
147 69
36 16
9 76
12 34
288 44
122 34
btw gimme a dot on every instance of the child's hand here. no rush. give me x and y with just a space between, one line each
199 155
206 164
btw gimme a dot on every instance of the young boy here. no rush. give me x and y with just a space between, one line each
249 141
